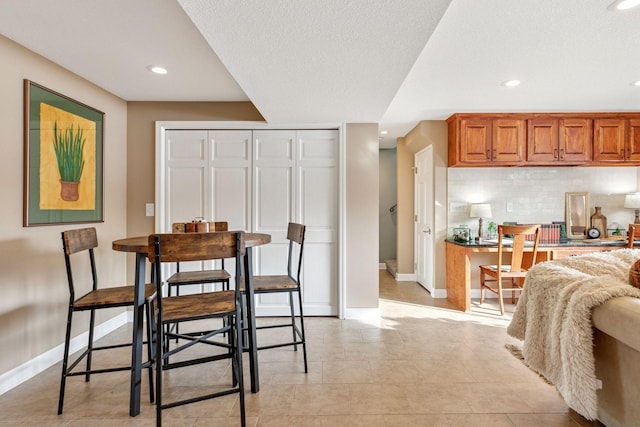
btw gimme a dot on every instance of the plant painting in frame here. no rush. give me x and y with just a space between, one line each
63 149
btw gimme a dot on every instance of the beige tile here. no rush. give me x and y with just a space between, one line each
378 399
320 399
421 364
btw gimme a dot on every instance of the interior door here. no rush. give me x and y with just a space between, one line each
423 201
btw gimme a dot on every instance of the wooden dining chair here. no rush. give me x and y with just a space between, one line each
514 272
216 305
198 277
291 284
632 234
76 242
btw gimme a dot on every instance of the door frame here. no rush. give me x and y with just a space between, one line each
429 274
160 179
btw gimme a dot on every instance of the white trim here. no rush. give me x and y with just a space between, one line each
33 367
342 220
439 293
382 266
362 313
406 277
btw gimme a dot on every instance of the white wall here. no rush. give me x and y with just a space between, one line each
538 193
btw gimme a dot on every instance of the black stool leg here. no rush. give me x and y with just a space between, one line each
65 361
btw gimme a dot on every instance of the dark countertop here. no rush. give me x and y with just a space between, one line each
564 243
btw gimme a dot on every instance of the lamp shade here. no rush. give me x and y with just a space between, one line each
632 201
480 210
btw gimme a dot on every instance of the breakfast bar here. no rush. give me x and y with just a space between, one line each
458 258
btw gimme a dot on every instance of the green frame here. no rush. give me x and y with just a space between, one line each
42 205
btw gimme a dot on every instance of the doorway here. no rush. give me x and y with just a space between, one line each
423 205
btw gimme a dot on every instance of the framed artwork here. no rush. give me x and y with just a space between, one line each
63 159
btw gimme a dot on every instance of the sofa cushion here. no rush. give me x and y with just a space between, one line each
619 318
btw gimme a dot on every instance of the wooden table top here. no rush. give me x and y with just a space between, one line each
139 244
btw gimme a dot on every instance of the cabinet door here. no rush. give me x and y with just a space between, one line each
474 140
508 141
542 140
633 140
575 141
609 142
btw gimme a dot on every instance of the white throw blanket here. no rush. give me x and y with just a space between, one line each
553 318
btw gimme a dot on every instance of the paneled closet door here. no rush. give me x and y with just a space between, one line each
230 180
273 208
317 208
187 176
209 176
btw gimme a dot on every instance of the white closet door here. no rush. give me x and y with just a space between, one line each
317 194
187 175
187 172
231 178
230 186
273 205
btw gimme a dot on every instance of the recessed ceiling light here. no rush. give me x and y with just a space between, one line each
158 69
624 4
383 132
636 83
511 83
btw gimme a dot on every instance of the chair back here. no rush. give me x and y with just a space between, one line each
520 234
75 241
633 233
295 234
182 247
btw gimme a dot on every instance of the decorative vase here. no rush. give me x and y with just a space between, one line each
69 191
599 221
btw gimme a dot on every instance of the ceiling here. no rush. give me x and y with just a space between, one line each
327 61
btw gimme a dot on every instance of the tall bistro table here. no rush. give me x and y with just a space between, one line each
139 246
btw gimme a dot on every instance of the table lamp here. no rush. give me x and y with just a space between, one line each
483 210
632 201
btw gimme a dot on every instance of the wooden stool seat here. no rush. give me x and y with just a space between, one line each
197 306
111 297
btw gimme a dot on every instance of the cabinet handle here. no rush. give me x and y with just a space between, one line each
628 153
495 154
562 154
489 154
555 153
622 154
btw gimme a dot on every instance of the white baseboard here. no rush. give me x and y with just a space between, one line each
439 293
33 367
382 266
406 277
362 313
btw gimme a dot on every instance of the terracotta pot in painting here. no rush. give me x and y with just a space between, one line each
69 191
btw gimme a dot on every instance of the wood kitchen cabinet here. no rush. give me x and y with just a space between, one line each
544 139
553 141
478 141
616 141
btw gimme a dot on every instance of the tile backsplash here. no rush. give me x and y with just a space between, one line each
537 194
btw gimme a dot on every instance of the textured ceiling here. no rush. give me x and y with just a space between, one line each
316 61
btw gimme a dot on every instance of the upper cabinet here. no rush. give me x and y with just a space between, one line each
616 141
544 139
486 141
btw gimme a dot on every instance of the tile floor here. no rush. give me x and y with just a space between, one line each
420 364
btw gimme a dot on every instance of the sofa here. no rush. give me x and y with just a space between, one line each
617 361
579 322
